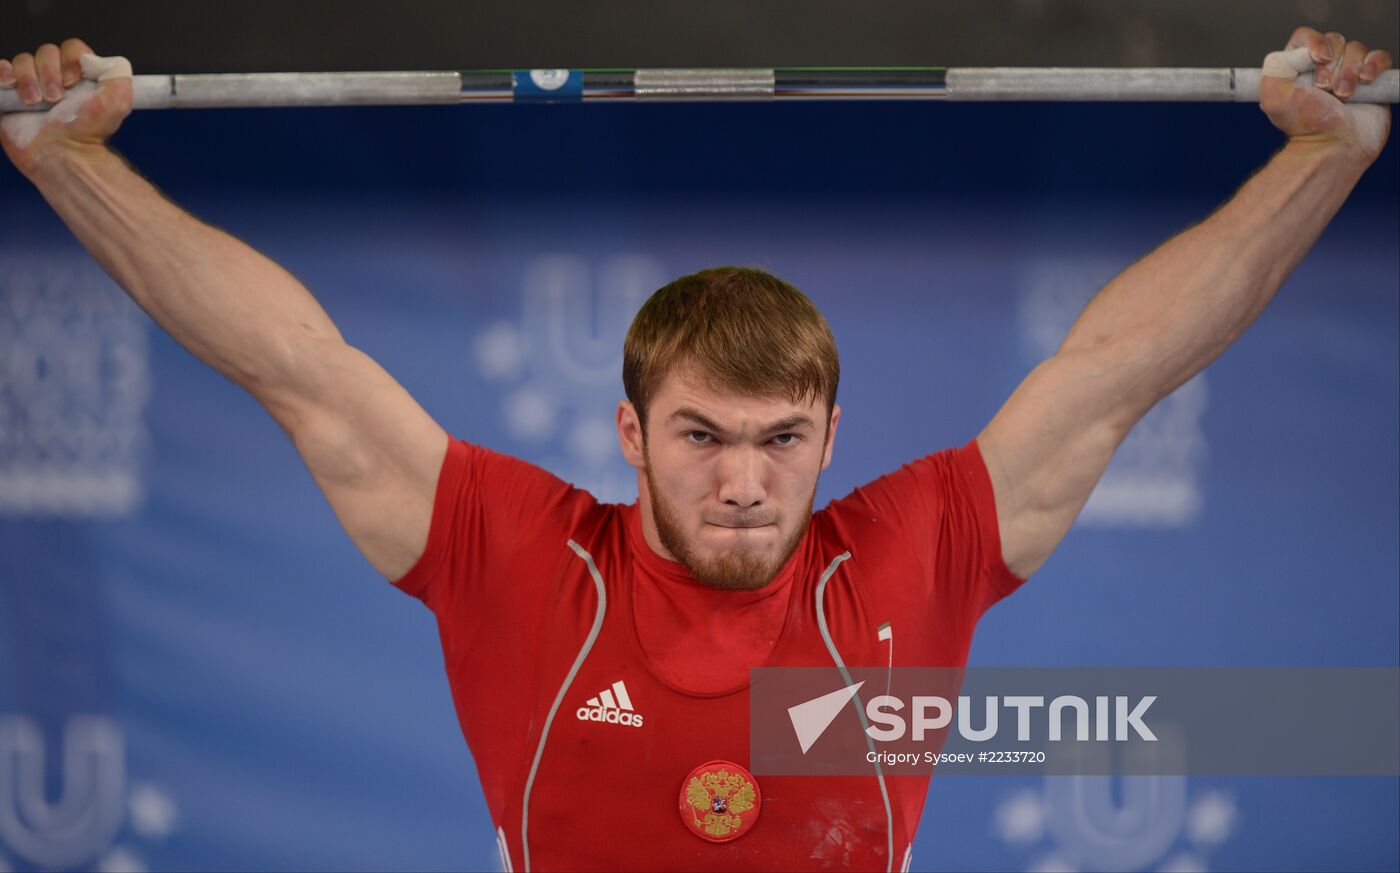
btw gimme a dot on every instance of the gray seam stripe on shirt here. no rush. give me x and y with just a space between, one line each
559 698
860 707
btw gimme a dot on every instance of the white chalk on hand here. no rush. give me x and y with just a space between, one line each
23 127
101 69
1371 121
1288 64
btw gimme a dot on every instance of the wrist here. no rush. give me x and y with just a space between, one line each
1330 151
62 158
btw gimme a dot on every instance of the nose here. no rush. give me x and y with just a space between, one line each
741 478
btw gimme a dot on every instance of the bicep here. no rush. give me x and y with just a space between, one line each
374 452
1049 445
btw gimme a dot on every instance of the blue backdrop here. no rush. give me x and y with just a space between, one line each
197 670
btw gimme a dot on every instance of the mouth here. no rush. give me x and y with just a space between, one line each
738 526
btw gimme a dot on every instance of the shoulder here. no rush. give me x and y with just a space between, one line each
513 487
495 514
939 508
903 501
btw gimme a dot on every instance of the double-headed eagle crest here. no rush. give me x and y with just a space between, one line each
718 801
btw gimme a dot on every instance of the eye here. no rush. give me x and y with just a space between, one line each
786 439
698 437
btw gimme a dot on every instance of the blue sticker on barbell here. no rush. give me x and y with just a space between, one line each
549 86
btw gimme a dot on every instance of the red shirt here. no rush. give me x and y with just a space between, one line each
545 672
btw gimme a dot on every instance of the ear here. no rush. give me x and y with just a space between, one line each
830 436
629 434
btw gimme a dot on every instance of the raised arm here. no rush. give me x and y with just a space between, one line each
372 450
1169 315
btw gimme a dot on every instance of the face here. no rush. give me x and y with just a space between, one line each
726 481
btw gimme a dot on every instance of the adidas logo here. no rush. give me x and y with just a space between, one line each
612 706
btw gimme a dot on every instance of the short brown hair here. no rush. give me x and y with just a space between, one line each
743 329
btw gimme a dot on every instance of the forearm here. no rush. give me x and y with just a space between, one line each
1169 315
227 304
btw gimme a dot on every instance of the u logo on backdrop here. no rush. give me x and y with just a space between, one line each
85 817
1124 822
81 824
558 364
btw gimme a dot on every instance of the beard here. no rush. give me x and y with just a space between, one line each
726 571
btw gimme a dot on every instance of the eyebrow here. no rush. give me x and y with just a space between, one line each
783 424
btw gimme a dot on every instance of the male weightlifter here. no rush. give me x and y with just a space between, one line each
602 650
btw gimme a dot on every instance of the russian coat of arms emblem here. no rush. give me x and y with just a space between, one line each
719 801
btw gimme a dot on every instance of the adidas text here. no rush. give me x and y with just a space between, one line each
609 715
